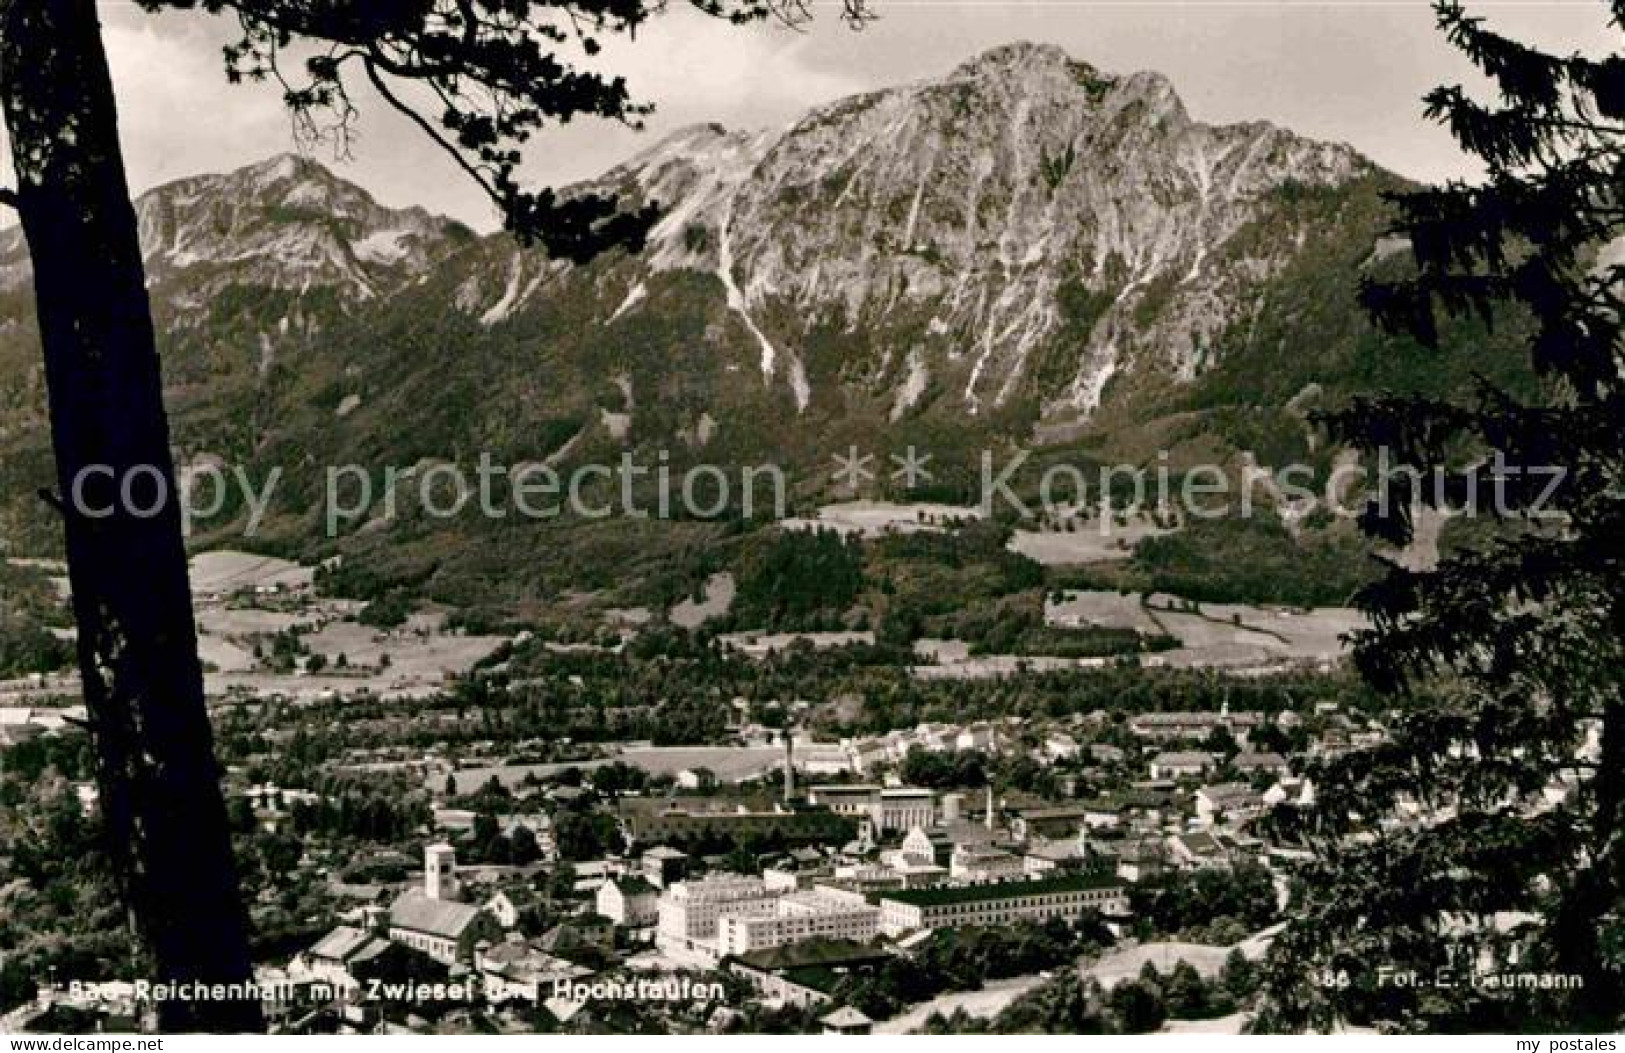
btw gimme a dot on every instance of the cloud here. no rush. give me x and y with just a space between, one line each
179 116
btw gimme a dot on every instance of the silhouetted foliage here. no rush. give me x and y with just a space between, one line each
1516 764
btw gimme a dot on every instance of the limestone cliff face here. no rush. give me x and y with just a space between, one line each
1015 242
966 225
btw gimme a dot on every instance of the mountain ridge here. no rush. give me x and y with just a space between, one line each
1023 247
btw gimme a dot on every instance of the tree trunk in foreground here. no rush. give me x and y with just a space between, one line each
160 784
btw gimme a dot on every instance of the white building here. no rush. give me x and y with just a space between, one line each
506 912
690 910
1299 793
1061 747
1250 763
1181 765
629 901
850 801
1228 802
922 848
819 914
904 808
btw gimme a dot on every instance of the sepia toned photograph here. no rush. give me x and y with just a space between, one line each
537 520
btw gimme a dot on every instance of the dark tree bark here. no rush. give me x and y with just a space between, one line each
160 784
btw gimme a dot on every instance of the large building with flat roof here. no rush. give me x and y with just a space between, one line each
818 914
698 823
689 912
1004 903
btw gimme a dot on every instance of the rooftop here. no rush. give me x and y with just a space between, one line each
938 897
434 917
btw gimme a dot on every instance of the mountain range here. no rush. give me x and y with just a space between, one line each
1026 251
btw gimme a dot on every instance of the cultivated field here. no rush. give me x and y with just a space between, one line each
225 573
1213 634
871 519
1090 541
731 764
718 600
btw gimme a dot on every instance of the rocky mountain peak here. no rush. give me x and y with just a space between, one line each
1024 233
967 218
1015 59
287 222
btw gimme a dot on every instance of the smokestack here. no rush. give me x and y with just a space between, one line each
990 806
789 767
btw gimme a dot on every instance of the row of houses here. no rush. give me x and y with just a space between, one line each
1194 764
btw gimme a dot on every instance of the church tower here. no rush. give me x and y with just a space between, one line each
440 872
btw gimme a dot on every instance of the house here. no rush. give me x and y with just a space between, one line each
851 801
1229 802
924 848
1105 753
703 820
690 910
1061 747
1003 903
822 759
522 971
338 957
1139 859
1102 814
977 864
1050 821
1250 764
586 933
977 737
870 758
903 808
847 1021
454 820
502 907
564 1010
1042 857
1144 809
537 825
1171 726
820 914
664 866
17 726
1181 765
803 974
632 902
1200 851
1297 793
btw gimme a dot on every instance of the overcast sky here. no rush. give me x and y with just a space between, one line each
1350 71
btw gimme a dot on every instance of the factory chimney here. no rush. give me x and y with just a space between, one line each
789 767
